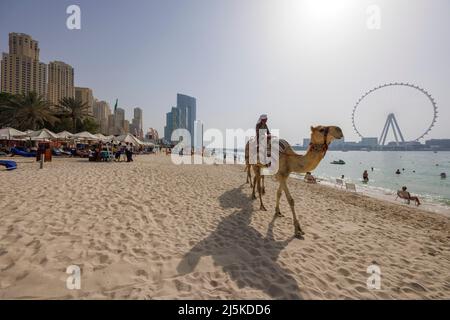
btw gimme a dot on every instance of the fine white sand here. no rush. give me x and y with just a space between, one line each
151 229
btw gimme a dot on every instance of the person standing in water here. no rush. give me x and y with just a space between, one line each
365 176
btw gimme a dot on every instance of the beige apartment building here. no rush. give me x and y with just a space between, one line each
85 96
60 81
21 71
101 113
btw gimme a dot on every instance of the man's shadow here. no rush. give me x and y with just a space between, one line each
246 255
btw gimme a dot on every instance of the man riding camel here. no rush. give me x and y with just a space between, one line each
261 128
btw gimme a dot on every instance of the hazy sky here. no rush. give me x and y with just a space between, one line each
301 62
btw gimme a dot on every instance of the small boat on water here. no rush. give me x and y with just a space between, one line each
340 161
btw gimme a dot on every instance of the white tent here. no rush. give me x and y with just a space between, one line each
130 139
64 135
85 136
43 134
8 133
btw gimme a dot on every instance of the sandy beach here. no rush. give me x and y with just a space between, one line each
154 230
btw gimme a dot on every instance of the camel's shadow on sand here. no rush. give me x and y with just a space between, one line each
247 256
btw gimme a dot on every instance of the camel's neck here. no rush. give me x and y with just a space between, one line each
307 162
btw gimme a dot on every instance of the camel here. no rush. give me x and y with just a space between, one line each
289 161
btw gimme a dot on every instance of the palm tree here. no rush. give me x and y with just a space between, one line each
26 111
74 109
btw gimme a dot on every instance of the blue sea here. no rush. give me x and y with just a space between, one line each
420 172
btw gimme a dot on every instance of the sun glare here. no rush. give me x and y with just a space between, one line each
324 13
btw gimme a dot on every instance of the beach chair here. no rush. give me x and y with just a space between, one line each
340 183
350 187
403 196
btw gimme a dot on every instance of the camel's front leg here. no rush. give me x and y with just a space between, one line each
277 206
297 229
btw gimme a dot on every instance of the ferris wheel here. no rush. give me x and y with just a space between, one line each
391 121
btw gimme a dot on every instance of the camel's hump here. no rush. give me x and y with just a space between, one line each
285 147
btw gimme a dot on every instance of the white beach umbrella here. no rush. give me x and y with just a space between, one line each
64 135
43 134
102 137
85 136
9 133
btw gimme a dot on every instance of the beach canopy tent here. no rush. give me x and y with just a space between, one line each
43 134
111 138
104 138
85 136
130 139
65 135
11 134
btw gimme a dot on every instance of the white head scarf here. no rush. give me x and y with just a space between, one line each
261 117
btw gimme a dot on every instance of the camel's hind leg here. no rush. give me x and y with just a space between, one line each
258 181
249 175
297 229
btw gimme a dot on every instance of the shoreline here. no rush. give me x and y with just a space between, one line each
388 196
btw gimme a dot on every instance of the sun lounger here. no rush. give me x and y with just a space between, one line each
9 165
350 187
18 152
340 183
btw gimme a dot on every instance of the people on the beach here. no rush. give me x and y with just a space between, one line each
129 152
365 176
261 125
404 194
309 178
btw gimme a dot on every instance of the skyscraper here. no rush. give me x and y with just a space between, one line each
182 116
136 127
85 96
101 112
21 71
60 81
119 121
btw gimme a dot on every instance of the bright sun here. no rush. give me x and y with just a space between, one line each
323 12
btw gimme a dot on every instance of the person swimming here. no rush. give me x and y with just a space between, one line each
443 175
398 171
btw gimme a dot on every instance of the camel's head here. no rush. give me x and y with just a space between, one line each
329 133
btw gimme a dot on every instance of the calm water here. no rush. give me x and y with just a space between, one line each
425 181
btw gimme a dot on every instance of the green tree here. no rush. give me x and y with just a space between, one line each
90 125
26 111
74 109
